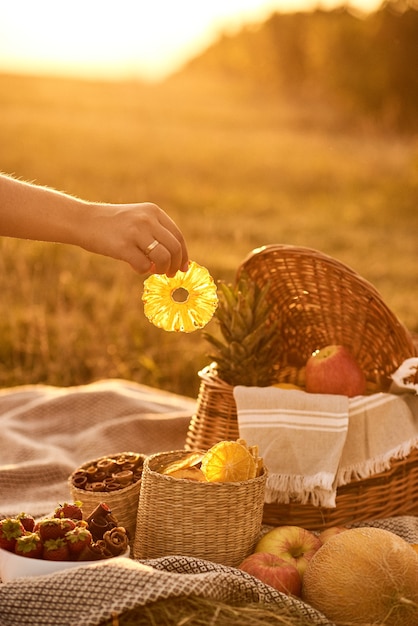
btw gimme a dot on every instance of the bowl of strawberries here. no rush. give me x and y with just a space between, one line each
30 547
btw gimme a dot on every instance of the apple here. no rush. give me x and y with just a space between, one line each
330 532
274 571
294 544
334 370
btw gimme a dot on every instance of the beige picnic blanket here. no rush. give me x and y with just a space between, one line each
47 432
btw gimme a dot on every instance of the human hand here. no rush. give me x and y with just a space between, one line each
141 234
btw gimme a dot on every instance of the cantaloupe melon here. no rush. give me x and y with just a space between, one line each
364 575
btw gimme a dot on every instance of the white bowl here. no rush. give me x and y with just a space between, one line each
15 566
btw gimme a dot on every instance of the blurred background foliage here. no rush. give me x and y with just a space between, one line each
366 66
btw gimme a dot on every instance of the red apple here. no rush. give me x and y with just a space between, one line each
334 370
294 544
273 571
330 532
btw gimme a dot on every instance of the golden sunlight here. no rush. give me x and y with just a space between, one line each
130 38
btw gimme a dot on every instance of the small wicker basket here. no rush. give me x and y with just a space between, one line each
122 502
190 518
316 301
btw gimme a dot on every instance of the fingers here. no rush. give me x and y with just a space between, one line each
167 250
166 259
157 244
166 254
172 241
141 234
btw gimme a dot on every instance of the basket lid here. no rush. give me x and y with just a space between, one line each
317 300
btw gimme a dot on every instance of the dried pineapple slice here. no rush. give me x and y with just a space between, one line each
184 303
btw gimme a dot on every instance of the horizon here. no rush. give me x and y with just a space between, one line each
129 42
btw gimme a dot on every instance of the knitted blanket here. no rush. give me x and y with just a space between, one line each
48 432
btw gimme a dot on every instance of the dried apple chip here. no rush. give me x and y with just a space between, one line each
184 303
191 460
189 473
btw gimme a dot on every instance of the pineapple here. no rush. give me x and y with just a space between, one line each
248 346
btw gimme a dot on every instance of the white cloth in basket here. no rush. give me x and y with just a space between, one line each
314 443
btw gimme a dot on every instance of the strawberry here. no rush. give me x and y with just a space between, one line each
72 511
48 528
10 529
27 521
54 528
56 550
81 523
29 545
67 524
78 539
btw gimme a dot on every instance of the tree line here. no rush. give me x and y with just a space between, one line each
366 65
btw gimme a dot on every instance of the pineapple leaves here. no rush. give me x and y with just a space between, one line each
247 347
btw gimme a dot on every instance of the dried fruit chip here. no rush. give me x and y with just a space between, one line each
189 473
228 461
190 460
185 302
254 452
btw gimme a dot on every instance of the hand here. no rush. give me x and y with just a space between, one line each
126 231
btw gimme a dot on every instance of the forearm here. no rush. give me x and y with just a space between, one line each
121 231
33 212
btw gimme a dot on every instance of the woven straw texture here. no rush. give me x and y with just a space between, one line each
183 517
393 492
123 502
317 301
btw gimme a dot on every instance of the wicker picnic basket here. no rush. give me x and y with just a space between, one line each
316 301
191 518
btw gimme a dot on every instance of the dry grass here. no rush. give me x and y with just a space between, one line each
235 169
196 611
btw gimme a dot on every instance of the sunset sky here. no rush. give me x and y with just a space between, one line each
127 38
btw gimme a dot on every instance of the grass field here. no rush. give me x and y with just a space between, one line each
234 168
